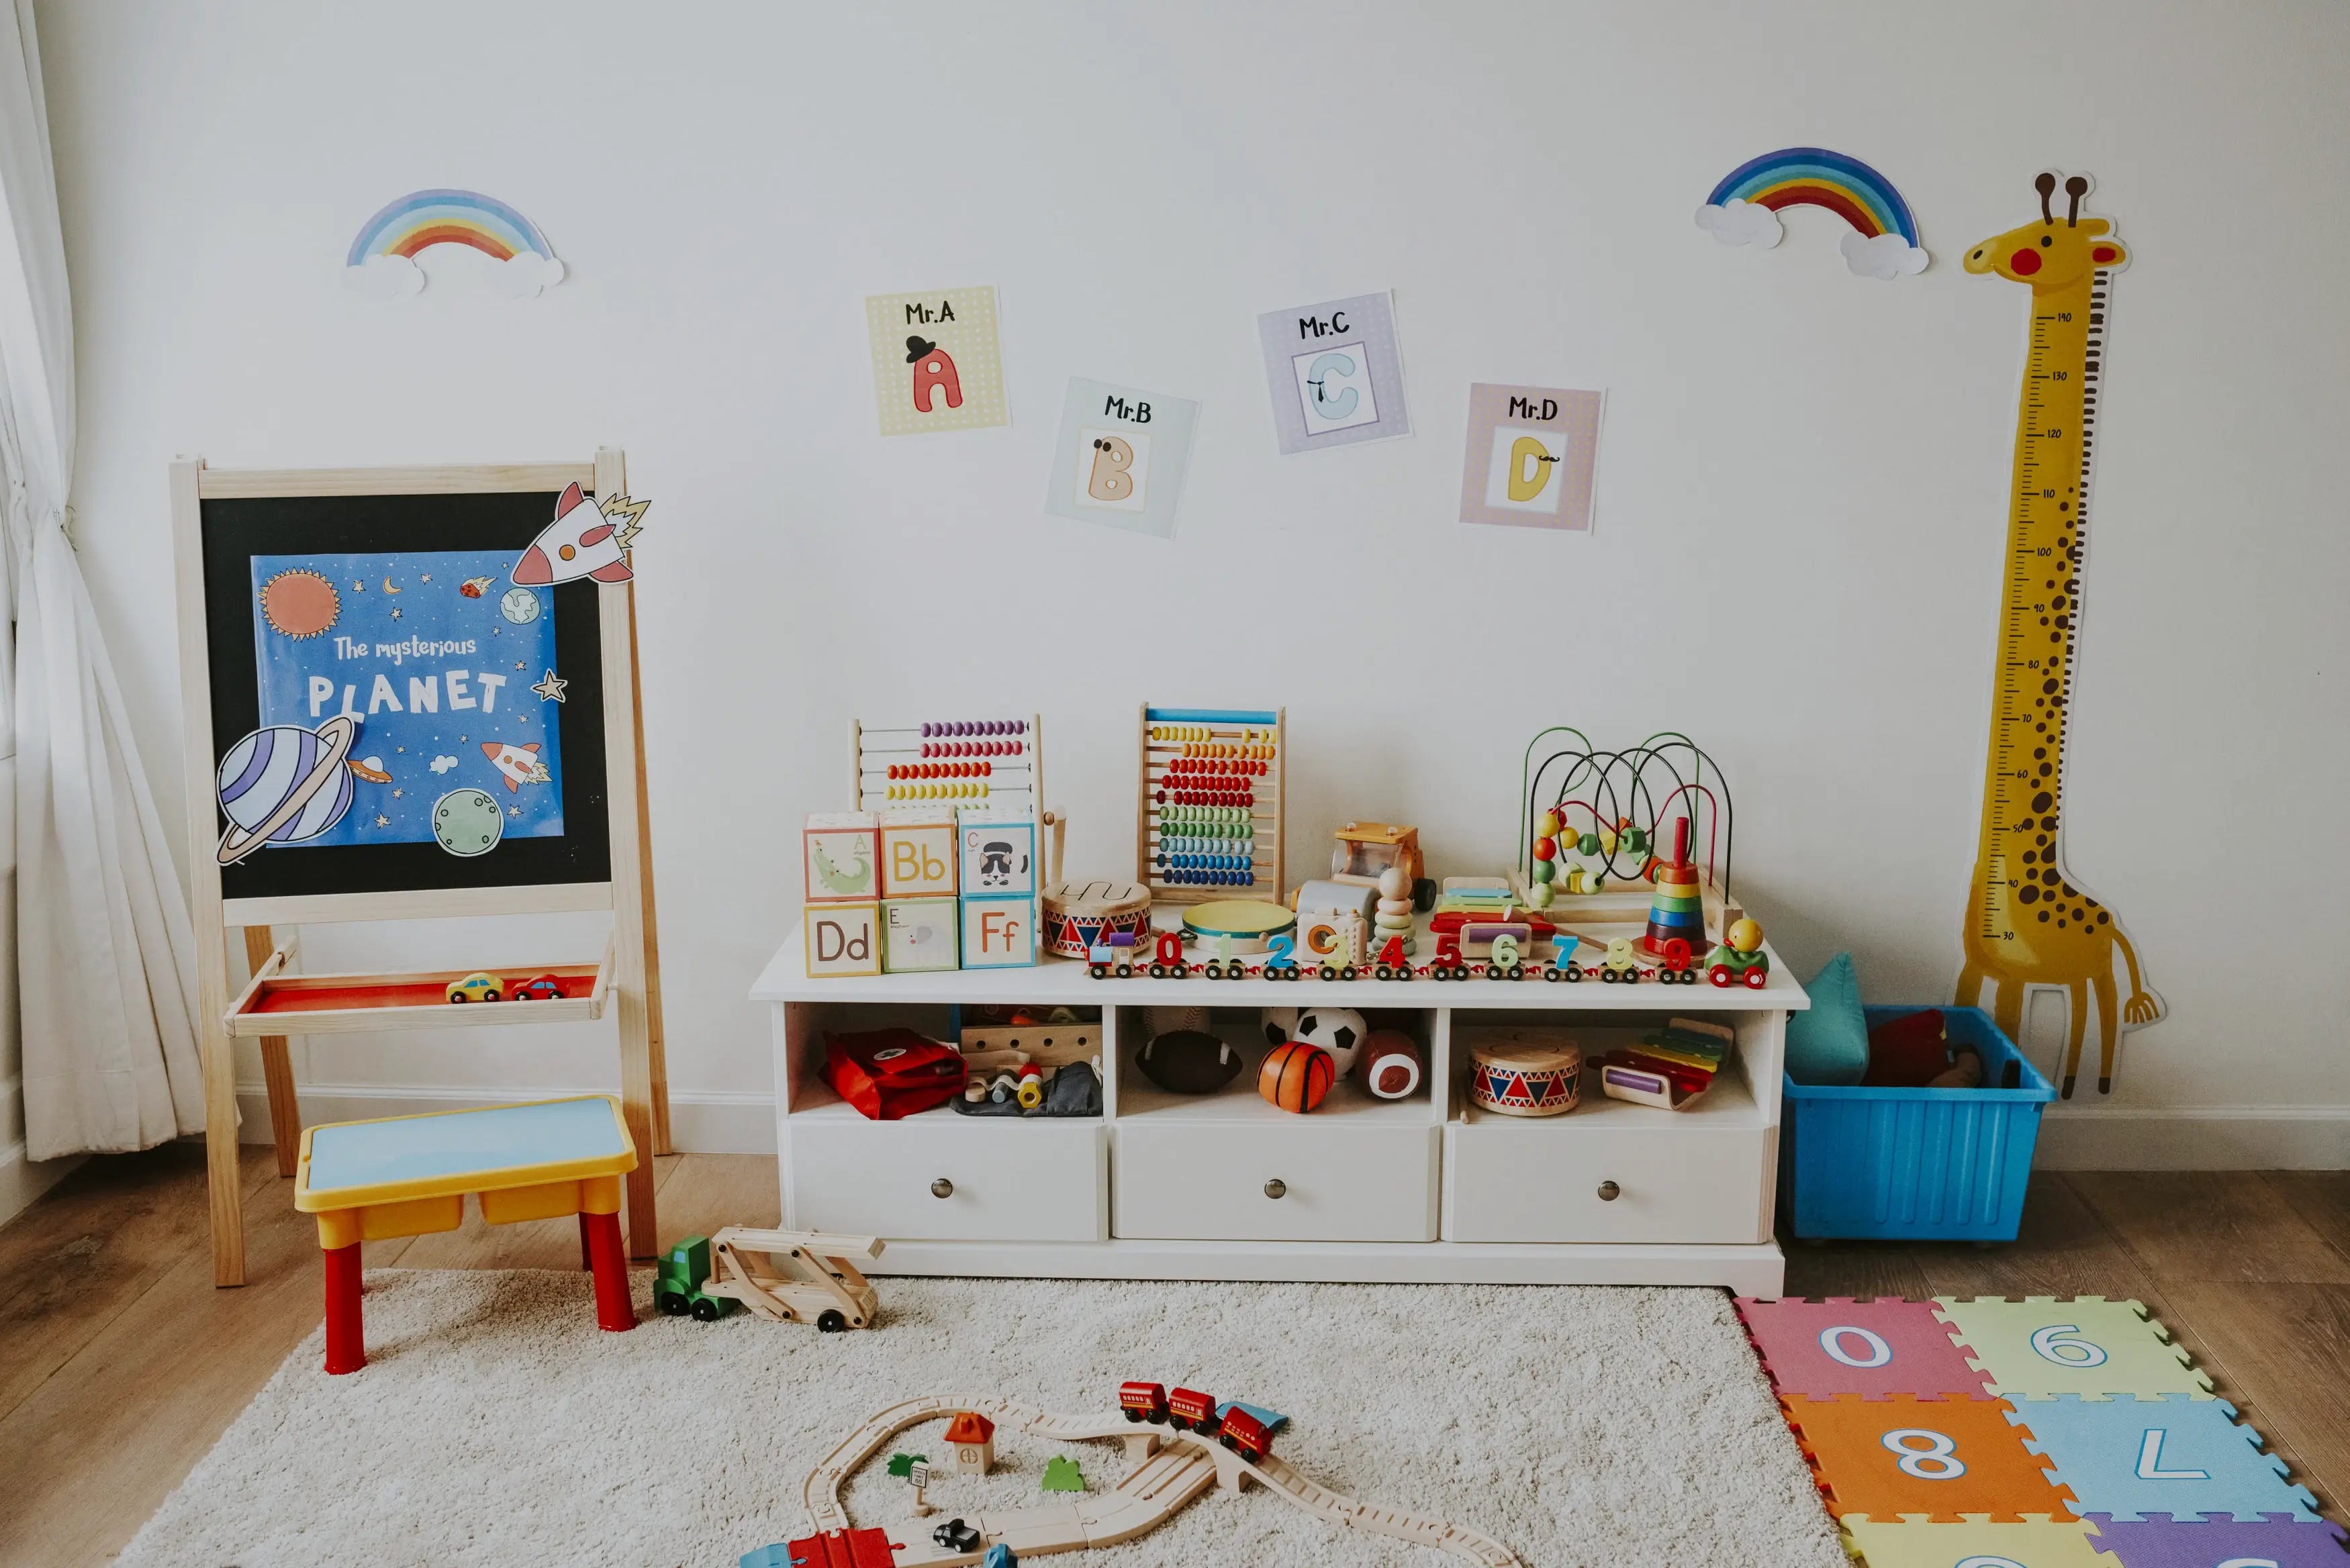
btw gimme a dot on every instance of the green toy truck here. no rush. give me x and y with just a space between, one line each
678 1280
791 1276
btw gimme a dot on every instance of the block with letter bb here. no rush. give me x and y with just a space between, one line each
918 934
999 933
842 856
843 940
918 854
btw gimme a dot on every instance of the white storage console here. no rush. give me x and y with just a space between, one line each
1225 1185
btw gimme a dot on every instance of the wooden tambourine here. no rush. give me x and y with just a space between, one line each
1250 924
1078 915
1533 1075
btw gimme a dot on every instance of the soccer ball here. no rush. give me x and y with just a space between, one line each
1280 1024
1337 1029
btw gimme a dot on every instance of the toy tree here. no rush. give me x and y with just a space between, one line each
914 1469
902 1465
1061 1474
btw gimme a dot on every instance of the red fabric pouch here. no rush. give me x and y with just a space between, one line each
888 1074
1907 1052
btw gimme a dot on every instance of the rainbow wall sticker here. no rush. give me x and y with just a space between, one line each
382 260
1743 210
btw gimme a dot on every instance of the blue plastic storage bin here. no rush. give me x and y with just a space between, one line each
1941 1164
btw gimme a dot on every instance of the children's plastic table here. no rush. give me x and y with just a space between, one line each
408 1176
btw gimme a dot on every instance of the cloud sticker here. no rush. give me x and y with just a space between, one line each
443 765
384 277
1742 223
1887 256
524 274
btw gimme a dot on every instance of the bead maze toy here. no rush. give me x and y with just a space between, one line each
785 1276
1591 823
2063 1434
1170 1460
1212 797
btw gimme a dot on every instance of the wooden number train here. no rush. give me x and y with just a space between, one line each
1189 1410
1470 951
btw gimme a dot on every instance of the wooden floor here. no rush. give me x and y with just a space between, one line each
120 1364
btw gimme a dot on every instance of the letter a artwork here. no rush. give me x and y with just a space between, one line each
937 365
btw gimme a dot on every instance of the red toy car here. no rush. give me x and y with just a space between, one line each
538 988
1246 1435
1143 1402
1188 1409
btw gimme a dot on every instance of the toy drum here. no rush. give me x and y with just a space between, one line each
1080 915
1525 1073
1249 924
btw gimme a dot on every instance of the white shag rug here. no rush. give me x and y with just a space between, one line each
494 1424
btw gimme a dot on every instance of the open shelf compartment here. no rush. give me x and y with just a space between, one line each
277 1002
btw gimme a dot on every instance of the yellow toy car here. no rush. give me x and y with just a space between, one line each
478 987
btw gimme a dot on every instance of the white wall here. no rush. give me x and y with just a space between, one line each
1805 469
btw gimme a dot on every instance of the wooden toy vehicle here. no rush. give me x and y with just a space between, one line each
1113 954
1740 959
1189 1410
1143 1402
539 988
1364 850
791 1276
1246 1435
476 987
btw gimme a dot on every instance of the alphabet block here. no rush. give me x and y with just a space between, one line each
918 854
918 934
843 854
999 933
843 940
999 854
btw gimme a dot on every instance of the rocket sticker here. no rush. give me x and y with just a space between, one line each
585 540
520 764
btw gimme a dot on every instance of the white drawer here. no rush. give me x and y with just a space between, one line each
1190 1181
1003 1180
1514 1180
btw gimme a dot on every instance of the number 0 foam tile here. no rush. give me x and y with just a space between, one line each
2041 1347
2278 1540
1941 1458
1875 1349
2133 1458
1975 1543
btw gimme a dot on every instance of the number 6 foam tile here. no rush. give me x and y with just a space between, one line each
1875 1349
2041 1347
1977 1543
2275 1541
1943 1459
2131 1459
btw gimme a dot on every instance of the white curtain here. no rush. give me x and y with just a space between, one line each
106 955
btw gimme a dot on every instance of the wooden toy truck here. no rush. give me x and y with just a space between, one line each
1366 848
792 1276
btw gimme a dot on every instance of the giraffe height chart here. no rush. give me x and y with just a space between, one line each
2029 923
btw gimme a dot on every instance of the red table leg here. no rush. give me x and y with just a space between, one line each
586 1252
346 1336
614 1310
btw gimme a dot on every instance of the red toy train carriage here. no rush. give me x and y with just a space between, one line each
1246 1435
1188 1409
1143 1402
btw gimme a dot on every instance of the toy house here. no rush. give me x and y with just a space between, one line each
971 1443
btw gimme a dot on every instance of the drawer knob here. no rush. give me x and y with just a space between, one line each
1608 1193
1275 1188
943 1187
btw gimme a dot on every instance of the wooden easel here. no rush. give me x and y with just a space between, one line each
629 974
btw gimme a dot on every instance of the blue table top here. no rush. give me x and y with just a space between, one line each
463 1143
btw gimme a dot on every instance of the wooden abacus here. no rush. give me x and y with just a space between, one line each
995 763
1211 803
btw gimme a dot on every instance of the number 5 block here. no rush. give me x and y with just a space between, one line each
2041 1347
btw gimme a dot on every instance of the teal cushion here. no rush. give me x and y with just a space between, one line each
1828 1043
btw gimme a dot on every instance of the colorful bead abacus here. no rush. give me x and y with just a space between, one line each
998 763
1211 802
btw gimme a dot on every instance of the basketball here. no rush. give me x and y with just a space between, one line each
1295 1075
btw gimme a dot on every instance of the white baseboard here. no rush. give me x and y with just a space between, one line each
2206 1137
697 1124
22 1179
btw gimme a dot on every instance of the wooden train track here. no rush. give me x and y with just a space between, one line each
1167 1469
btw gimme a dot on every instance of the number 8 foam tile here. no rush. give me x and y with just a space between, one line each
2275 1541
2172 1455
1943 1459
2041 1347
1875 1349
1977 1543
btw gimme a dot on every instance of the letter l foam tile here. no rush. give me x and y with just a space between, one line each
1874 1348
2040 1347
2185 1457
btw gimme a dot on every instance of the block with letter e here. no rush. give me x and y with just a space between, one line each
843 940
999 933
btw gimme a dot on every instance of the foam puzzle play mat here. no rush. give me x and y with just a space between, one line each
2027 1434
